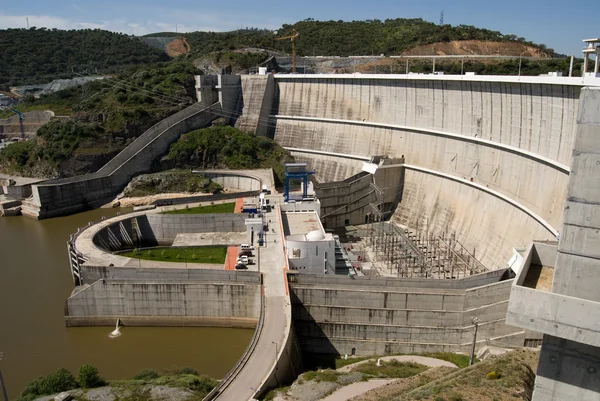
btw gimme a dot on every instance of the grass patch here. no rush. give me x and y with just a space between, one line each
218 208
392 369
341 362
192 254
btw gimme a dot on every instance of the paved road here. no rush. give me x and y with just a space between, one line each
277 317
354 389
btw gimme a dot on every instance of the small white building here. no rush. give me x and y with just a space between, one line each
308 247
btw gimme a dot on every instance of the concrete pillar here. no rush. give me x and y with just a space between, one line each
585 64
596 63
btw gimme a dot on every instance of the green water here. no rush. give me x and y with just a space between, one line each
35 281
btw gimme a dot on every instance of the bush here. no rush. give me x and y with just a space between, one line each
493 375
61 380
456 397
439 398
188 371
146 374
88 377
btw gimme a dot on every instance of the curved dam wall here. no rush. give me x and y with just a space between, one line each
374 316
486 157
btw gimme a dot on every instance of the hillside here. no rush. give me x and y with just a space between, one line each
32 56
105 116
477 47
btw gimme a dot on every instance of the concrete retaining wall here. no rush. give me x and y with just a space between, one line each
66 196
235 181
378 316
166 226
168 303
161 229
91 274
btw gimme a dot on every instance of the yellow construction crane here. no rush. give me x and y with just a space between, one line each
293 39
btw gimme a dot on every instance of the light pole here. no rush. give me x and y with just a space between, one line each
475 322
2 381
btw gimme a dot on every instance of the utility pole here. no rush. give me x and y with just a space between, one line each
2 381
442 18
475 322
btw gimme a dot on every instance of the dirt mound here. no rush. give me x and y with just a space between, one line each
178 47
476 47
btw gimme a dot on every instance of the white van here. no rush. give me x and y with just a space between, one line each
246 247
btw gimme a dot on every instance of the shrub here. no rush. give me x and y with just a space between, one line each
61 380
439 398
456 397
493 375
146 374
188 371
89 377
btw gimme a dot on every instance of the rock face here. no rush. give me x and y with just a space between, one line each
169 181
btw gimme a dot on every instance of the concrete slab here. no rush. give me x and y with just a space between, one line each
300 223
203 239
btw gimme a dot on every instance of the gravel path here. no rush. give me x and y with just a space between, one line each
423 360
355 389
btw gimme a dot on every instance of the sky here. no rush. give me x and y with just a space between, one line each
560 25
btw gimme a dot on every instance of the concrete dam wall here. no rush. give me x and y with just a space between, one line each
372 316
486 157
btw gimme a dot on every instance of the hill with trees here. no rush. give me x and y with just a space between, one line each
344 38
105 116
39 55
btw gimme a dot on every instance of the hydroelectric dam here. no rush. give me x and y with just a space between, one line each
482 160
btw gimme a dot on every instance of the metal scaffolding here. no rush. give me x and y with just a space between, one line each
418 254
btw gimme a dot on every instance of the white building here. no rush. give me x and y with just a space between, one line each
309 248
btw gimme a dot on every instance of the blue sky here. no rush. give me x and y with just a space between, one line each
558 24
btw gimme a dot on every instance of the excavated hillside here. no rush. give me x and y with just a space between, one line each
476 47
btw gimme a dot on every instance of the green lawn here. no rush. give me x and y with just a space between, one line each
218 208
192 254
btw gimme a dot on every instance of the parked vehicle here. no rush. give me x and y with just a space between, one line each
246 247
241 266
243 259
245 253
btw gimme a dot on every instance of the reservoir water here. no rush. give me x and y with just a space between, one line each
35 281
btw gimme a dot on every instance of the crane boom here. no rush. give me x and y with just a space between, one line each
293 40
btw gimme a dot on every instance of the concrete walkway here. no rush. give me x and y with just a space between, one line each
423 360
354 389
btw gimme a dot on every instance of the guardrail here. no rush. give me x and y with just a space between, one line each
232 374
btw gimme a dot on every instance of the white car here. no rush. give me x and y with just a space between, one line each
243 259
